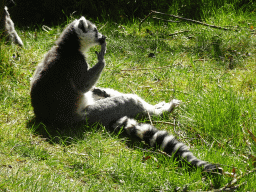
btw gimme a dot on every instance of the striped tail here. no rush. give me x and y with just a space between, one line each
168 143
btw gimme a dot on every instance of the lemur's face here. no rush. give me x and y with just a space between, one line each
88 34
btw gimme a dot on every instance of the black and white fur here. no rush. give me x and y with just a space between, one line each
7 29
63 93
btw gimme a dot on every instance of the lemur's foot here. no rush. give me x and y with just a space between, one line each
167 107
174 103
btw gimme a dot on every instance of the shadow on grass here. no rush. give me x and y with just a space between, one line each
67 135
64 135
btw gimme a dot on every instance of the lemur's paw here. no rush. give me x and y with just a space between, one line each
102 52
162 107
167 107
174 103
102 40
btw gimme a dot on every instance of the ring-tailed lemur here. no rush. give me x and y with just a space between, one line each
7 29
63 92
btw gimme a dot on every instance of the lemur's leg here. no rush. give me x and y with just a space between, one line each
111 109
100 93
155 138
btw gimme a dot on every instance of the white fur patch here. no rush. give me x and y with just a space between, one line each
157 134
85 99
142 129
177 146
200 163
129 124
185 154
166 141
119 122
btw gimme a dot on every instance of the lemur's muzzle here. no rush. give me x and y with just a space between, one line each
102 39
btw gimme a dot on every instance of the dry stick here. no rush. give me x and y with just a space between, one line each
131 89
191 20
146 68
164 122
149 117
155 152
226 187
176 33
203 140
46 28
235 187
166 20
182 18
103 26
144 19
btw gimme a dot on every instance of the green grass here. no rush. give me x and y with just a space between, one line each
210 70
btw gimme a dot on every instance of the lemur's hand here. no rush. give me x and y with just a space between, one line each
102 52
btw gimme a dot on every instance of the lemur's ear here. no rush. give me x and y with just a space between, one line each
6 10
82 24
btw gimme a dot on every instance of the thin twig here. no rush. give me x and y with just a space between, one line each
163 90
174 124
229 186
164 153
145 19
191 20
203 139
131 89
13 147
166 20
182 18
138 69
81 154
103 26
227 189
46 28
176 33
155 152
149 117
164 122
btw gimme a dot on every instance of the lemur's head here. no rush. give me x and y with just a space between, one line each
88 34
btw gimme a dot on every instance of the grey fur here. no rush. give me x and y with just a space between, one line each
7 29
63 93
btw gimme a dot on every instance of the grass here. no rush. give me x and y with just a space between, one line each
210 70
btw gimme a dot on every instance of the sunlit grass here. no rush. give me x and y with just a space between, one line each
211 71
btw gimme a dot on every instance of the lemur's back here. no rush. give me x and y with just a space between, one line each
53 95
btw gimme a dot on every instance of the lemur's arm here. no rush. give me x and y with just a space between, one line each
88 77
93 73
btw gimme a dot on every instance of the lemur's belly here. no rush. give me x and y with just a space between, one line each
85 100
